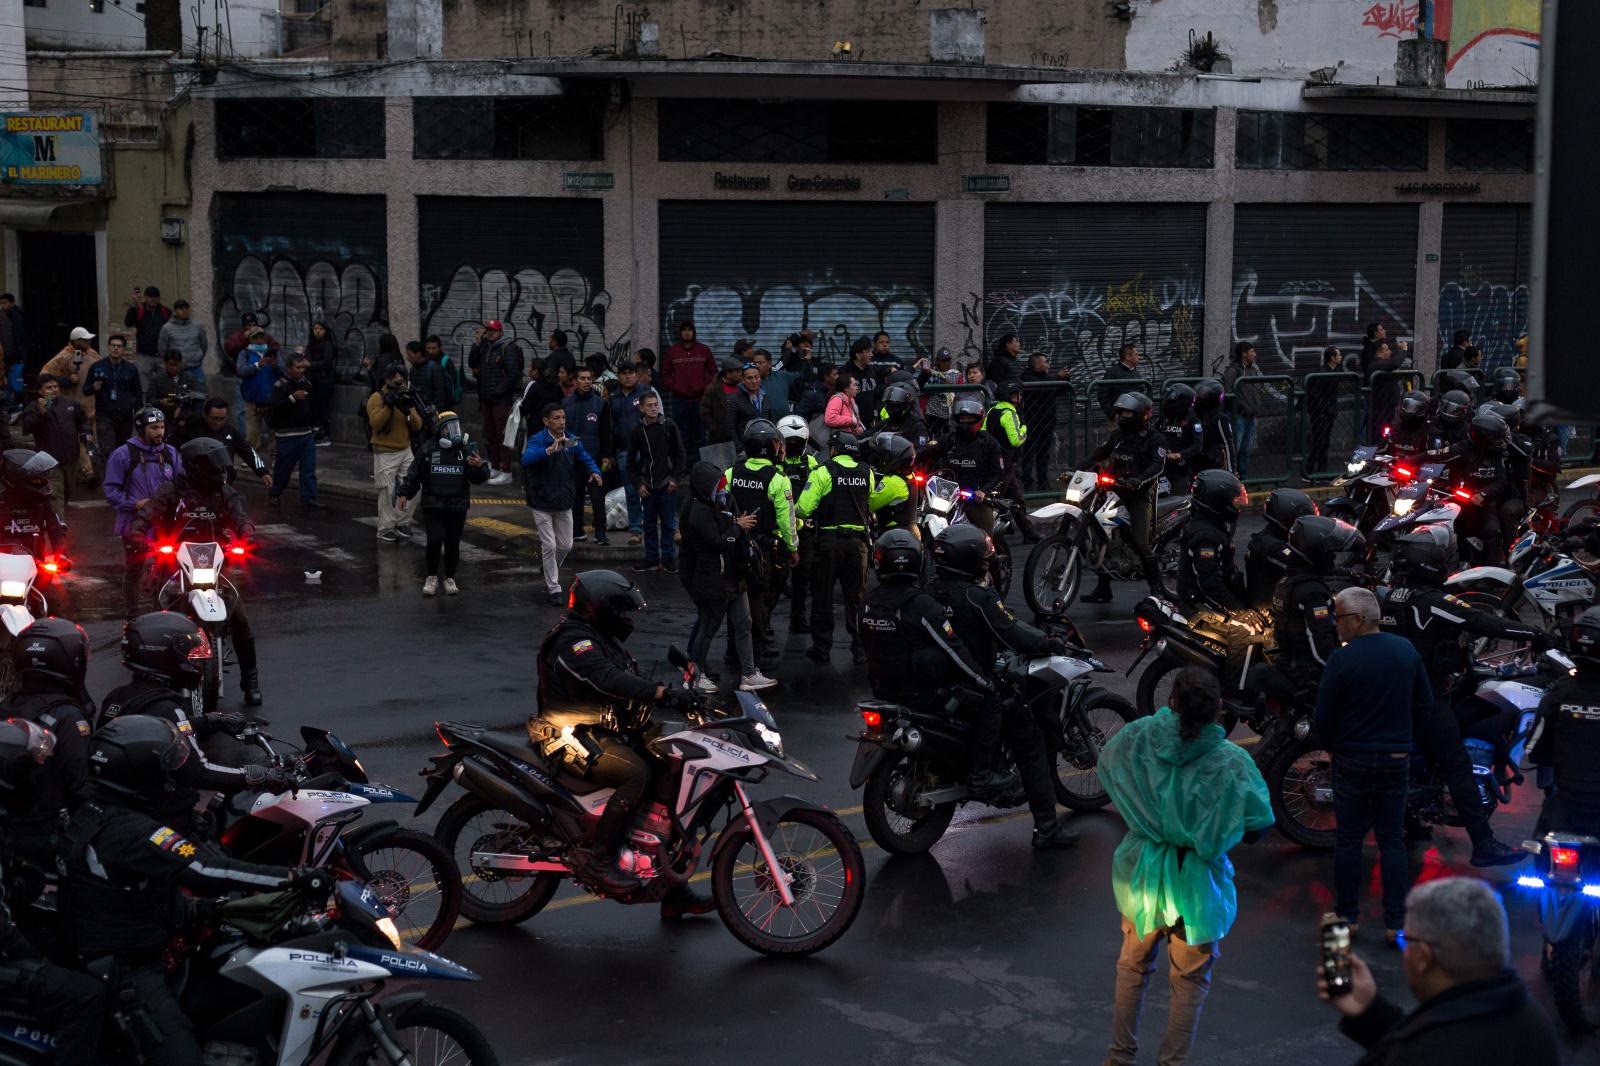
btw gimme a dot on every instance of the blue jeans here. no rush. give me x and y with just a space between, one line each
631 493
1369 795
1244 438
295 451
660 524
196 374
686 412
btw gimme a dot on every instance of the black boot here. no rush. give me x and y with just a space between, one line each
1490 852
1102 591
990 783
683 902
250 685
1054 838
1152 577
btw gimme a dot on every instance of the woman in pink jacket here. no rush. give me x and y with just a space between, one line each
841 412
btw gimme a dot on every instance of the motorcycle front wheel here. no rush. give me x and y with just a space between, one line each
8 671
492 897
430 1033
1000 568
1299 777
1054 571
211 682
895 829
1574 973
1076 767
413 874
826 877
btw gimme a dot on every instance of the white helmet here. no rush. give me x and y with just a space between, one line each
793 427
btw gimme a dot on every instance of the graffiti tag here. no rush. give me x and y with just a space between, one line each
286 297
531 305
836 314
1392 19
1291 327
1495 315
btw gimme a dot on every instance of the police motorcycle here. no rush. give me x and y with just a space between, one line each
1091 525
313 823
1370 483
1503 698
1423 499
1546 580
196 587
915 765
1179 642
284 978
786 874
1566 876
943 504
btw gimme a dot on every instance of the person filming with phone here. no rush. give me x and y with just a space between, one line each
1471 1005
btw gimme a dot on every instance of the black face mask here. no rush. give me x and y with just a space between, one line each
968 430
619 627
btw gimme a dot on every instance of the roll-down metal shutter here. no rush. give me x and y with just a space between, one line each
764 270
1077 281
1309 275
536 265
1483 276
295 258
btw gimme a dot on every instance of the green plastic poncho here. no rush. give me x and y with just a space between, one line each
1186 804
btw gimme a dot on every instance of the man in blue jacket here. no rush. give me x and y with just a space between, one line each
623 407
258 368
589 420
549 477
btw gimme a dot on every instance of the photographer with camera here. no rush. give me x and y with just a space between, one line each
393 415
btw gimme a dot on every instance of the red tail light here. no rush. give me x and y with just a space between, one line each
1463 494
1564 857
1404 472
919 478
1107 479
1144 624
439 729
166 549
874 720
1386 431
236 550
202 650
50 567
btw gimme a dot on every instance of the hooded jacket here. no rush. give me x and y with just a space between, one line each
1186 804
711 541
133 473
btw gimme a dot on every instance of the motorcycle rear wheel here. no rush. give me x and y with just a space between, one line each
1582 509
8 673
894 832
489 897
1077 779
827 891
408 869
1000 568
1155 691
431 1033
211 684
1293 769
1575 977
1052 576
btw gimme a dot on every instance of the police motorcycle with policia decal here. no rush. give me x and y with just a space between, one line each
786 875
285 978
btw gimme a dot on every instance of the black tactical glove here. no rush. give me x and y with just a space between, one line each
220 722
676 699
266 778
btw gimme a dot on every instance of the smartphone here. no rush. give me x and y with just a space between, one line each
1336 969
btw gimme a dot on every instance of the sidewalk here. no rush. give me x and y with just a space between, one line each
499 518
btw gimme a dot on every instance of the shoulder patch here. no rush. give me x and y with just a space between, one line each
83 729
948 631
1458 601
169 839
185 850
1205 551
582 646
1320 613
185 726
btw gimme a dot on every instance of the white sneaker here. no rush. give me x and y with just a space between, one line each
756 682
502 478
704 684
450 588
430 586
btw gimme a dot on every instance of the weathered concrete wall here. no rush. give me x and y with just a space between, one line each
130 85
1493 42
246 28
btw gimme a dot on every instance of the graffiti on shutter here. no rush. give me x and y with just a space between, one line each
1291 326
531 305
837 314
1483 277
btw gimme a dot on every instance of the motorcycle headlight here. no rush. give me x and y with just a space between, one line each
386 926
1354 468
771 738
203 575
1404 505
1075 495
13 590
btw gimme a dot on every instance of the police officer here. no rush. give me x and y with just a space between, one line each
28 502
1302 604
1450 418
50 658
1479 466
987 627
1506 385
838 497
798 465
1441 628
1267 554
1004 423
588 681
893 502
201 493
1208 582
166 653
1519 465
124 869
214 424
915 657
1135 456
758 486
899 414
1183 434
71 1003
448 464
973 458
1567 737
1413 435
1217 451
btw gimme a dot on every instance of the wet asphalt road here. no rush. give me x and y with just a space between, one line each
979 952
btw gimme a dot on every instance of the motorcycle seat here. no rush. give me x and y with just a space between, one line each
514 745
1167 504
883 707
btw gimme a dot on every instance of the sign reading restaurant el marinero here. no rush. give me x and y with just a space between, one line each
50 148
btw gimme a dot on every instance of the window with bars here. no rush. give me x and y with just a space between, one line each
1293 140
1077 136
513 127
1489 144
798 131
300 127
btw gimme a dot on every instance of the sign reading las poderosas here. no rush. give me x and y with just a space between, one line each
50 148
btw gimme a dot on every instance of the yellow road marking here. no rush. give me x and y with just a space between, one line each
495 525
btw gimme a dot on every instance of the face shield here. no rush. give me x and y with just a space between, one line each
450 433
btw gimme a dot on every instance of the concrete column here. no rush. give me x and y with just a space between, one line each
640 212
405 283
1218 341
958 279
1425 328
202 290
617 226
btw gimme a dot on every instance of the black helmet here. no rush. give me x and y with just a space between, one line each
136 755
28 471
1413 410
1318 540
1207 396
964 551
167 647
148 416
1507 384
899 398
1131 412
966 411
1508 411
1285 505
205 462
1177 401
1457 381
1006 388
890 453
761 438
1585 637
845 443
24 745
53 648
1220 494
1453 407
1422 557
1488 432
898 554
606 599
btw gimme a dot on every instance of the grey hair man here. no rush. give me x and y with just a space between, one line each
1472 1007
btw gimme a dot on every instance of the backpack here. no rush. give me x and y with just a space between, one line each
452 374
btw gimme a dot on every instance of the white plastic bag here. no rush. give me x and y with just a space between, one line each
616 509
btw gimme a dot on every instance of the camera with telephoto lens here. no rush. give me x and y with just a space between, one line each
405 397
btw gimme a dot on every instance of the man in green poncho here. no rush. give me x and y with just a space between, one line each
1188 796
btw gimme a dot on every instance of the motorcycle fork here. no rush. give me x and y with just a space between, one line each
779 877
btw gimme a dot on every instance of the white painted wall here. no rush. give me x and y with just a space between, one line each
249 26
13 61
1291 38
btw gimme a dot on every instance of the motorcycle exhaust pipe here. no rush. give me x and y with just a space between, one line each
482 782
